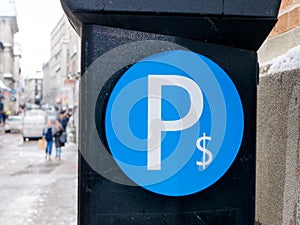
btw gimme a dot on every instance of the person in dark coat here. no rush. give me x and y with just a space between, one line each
59 129
63 119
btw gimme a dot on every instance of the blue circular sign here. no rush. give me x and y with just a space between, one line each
174 123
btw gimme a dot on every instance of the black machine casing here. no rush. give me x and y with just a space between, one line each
226 31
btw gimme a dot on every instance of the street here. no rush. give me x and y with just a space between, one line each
34 191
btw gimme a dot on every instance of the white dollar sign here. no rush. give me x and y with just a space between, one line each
205 151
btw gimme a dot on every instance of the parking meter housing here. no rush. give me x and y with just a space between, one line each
227 32
244 24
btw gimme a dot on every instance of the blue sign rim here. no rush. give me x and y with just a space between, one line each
232 99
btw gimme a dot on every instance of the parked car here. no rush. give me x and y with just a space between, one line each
33 123
2 128
51 115
14 124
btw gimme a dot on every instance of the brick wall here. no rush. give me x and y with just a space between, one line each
289 17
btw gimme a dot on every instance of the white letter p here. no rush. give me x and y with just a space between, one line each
155 123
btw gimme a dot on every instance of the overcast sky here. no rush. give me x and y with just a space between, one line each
36 19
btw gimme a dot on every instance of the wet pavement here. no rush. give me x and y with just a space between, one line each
34 191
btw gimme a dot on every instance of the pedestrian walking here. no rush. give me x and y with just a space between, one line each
48 133
64 119
59 129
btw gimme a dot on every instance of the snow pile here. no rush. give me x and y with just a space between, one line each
288 61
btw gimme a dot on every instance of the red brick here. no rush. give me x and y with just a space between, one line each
281 25
294 18
286 3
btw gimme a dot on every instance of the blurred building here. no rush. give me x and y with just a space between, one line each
34 89
9 55
62 70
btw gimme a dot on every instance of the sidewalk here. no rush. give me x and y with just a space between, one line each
58 202
34 191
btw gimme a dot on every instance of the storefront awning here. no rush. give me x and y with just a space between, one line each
7 75
3 86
